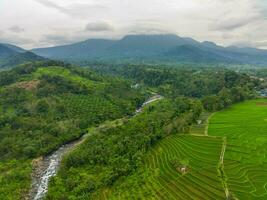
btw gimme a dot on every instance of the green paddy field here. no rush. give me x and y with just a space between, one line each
224 160
245 162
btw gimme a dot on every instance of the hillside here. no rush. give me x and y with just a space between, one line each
5 51
11 56
154 48
47 104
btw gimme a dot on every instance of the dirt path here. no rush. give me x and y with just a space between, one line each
221 168
223 150
207 124
221 160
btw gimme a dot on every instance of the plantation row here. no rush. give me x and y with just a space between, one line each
90 107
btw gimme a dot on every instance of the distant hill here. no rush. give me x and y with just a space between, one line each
171 48
11 55
14 48
5 51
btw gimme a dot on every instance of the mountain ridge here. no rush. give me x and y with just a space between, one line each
161 47
11 55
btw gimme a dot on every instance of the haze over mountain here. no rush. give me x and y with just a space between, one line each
165 48
11 55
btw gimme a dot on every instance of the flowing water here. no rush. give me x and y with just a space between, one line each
48 166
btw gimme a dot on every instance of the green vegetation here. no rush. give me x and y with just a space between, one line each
15 179
115 152
178 167
218 88
245 163
44 106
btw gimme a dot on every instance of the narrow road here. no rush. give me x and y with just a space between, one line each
47 167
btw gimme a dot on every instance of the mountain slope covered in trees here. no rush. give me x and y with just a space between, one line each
153 48
11 55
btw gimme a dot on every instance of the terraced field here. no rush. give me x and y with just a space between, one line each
179 167
227 160
245 162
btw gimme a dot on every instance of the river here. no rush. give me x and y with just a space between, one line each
47 167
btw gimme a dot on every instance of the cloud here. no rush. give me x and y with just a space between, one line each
55 39
234 23
261 44
74 10
53 22
16 29
147 26
99 27
16 40
53 5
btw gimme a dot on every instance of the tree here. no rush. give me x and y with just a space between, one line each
42 106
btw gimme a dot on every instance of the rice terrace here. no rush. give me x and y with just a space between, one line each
228 163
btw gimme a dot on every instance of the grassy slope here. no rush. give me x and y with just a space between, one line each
245 161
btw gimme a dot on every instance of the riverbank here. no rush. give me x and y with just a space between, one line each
46 167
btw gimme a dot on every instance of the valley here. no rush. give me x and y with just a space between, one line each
133 100
48 166
131 131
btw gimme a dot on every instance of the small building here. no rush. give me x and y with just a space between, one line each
135 86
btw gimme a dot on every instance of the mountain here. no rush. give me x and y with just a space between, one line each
5 51
14 48
171 48
11 55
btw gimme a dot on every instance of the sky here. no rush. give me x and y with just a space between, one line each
43 23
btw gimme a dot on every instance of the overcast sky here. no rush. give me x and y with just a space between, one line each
41 23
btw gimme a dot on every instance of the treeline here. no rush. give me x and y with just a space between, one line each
217 87
114 152
226 97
